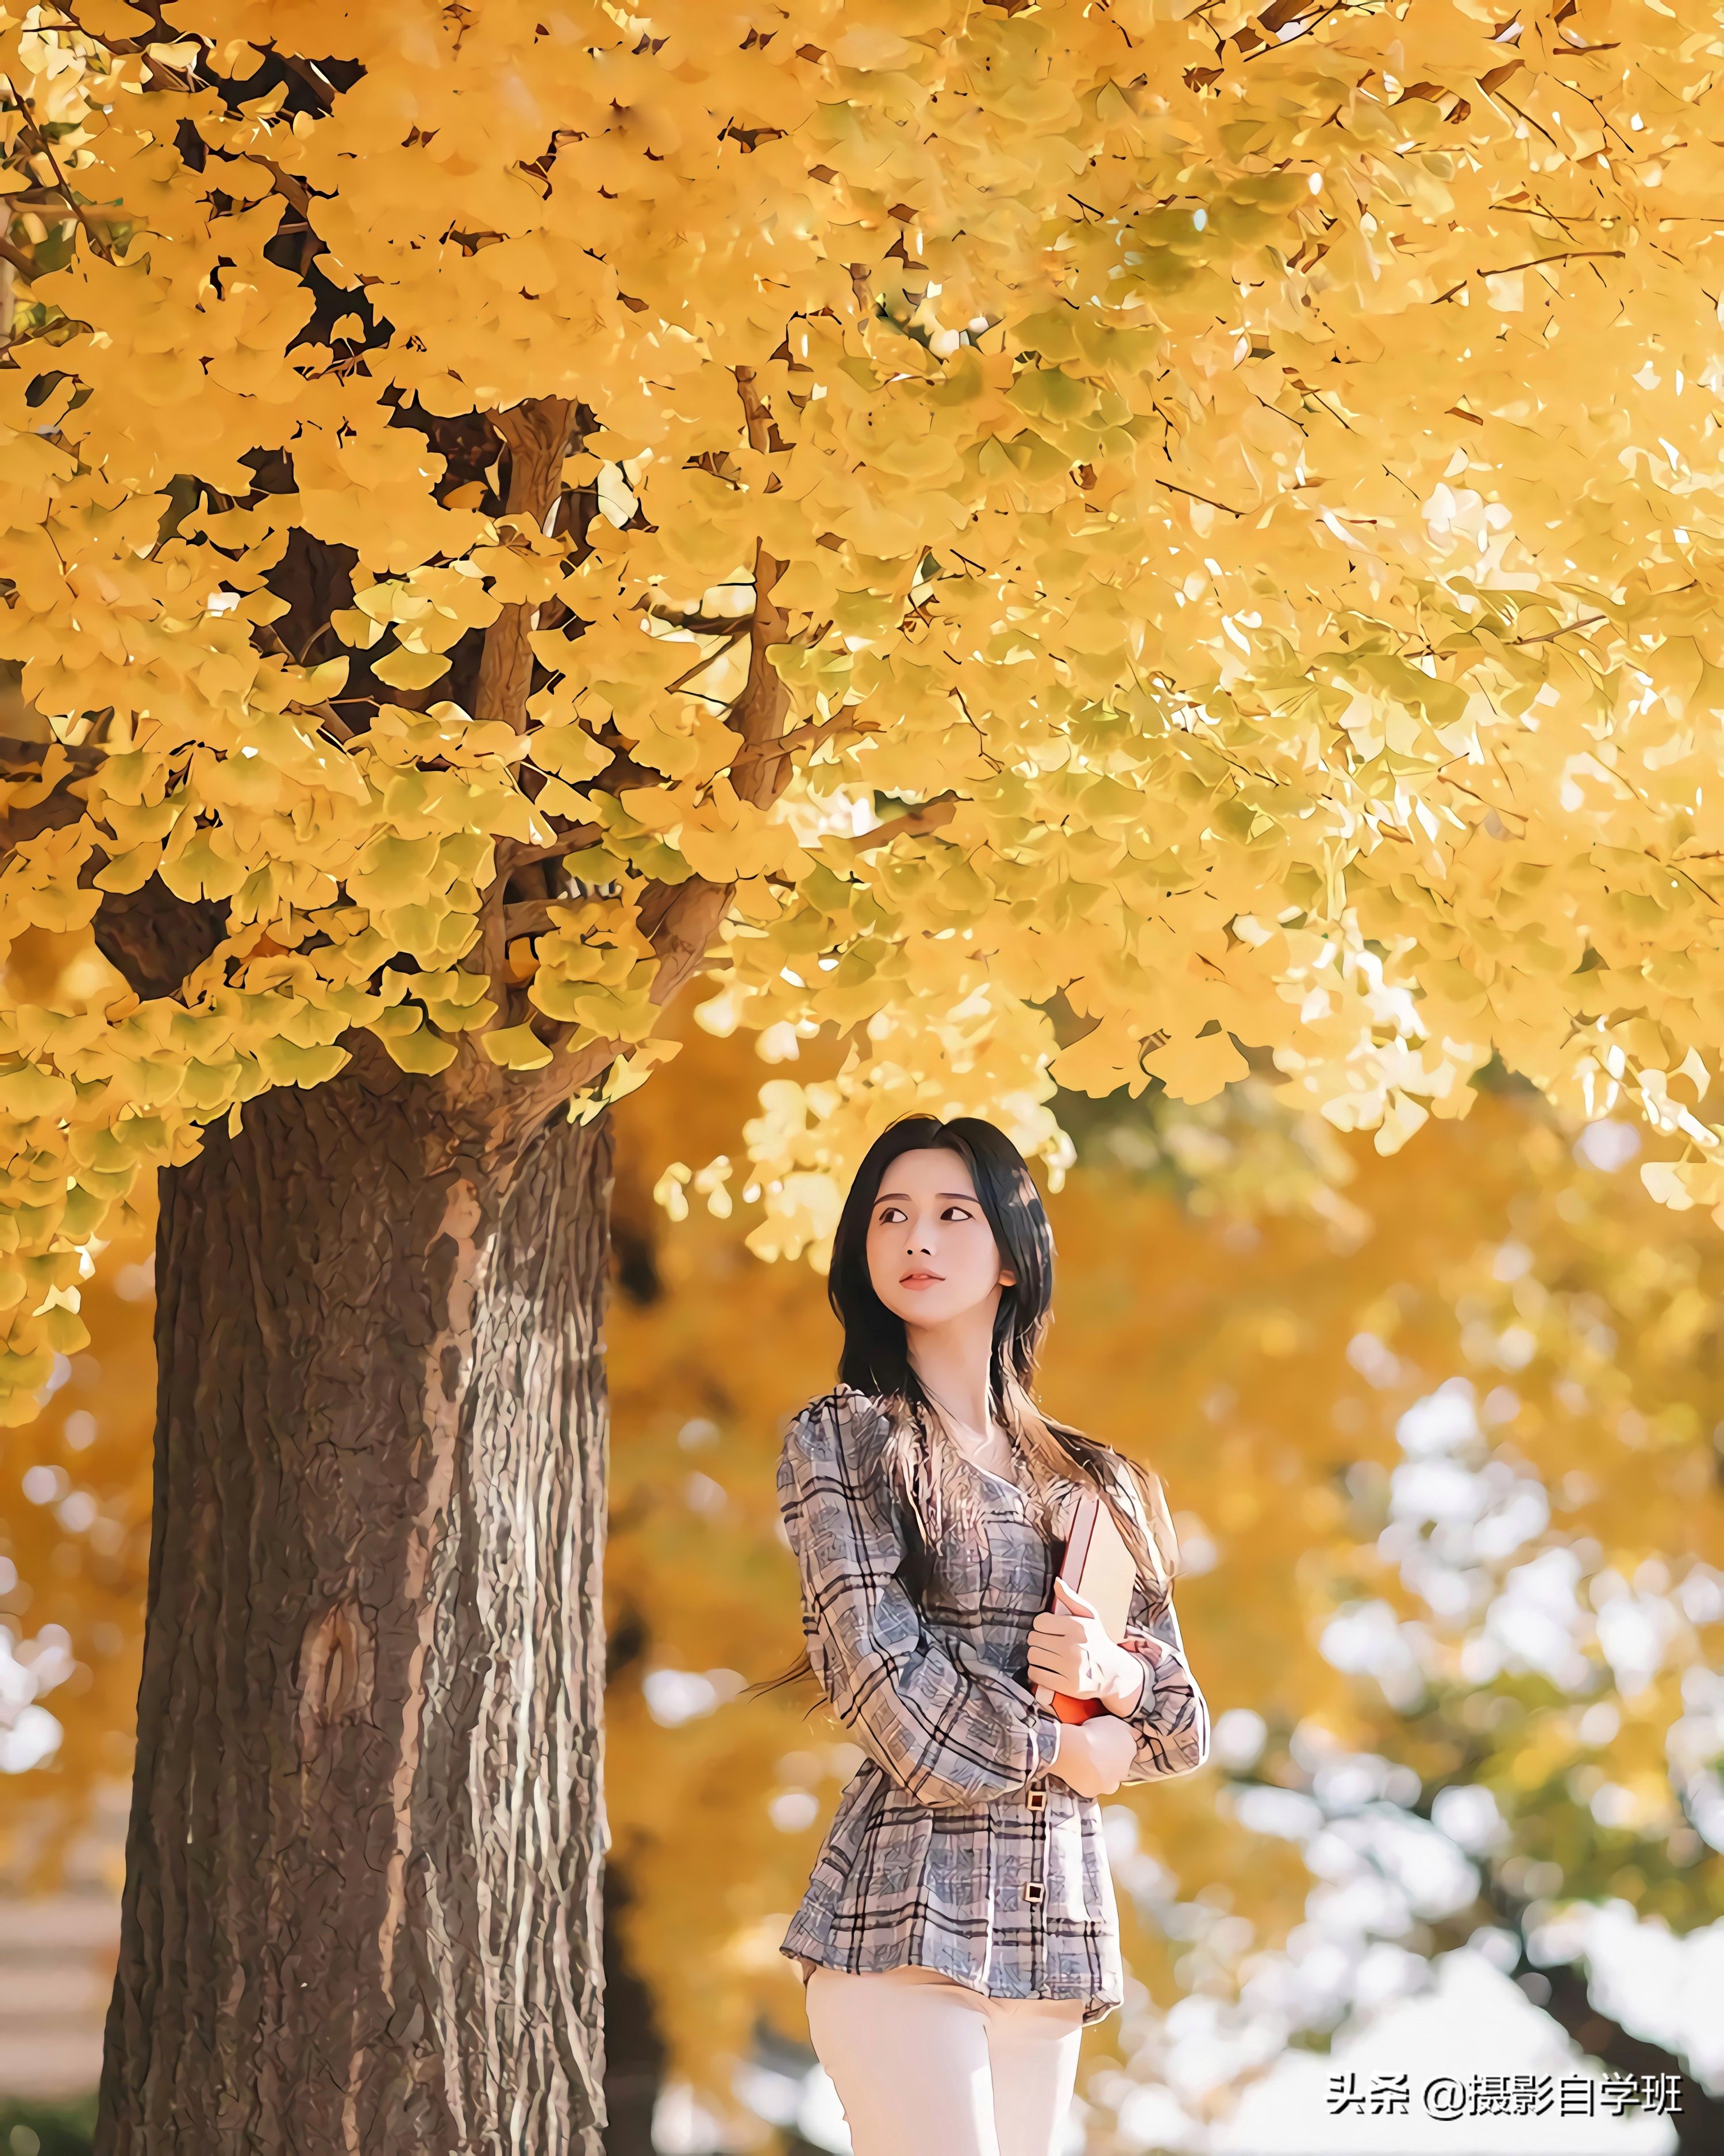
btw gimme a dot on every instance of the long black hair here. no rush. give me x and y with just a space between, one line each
875 1359
934 1487
928 1472
932 1482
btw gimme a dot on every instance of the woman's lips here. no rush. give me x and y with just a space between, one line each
919 1279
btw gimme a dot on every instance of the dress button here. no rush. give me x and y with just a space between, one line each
1033 1890
1037 1800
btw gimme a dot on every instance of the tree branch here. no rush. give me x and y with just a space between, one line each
324 713
707 659
1700 2121
153 939
916 824
1564 254
680 920
512 854
1226 508
537 434
294 191
11 252
530 917
21 759
758 714
44 148
803 737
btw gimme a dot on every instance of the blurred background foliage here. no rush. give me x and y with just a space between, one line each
1443 1431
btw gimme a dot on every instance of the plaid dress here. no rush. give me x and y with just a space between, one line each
952 1847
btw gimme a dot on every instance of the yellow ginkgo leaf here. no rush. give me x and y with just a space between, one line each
410 670
516 1047
1196 1068
412 1044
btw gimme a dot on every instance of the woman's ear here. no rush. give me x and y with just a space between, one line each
1008 1277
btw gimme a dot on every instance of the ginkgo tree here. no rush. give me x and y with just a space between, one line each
1055 540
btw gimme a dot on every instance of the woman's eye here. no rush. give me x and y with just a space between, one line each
891 1216
957 1213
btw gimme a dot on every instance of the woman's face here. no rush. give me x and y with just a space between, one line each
931 1255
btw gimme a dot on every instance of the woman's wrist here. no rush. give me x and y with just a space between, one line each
1072 1752
1130 1686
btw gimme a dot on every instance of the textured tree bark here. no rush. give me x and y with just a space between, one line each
362 1901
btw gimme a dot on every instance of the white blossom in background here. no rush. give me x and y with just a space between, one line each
29 1734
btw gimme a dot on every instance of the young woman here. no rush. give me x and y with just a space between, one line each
960 1927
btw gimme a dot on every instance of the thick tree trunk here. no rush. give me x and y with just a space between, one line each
362 1897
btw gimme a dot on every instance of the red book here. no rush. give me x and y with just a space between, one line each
1096 1564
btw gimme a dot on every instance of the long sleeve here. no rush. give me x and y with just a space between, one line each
948 1728
1171 1721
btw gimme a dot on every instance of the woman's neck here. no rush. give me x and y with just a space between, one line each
954 1363
969 1421
975 1434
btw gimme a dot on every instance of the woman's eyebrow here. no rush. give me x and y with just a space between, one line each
902 1197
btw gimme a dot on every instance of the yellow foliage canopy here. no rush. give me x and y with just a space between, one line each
1204 521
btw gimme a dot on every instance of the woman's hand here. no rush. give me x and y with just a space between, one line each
1071 1650
1094 1756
